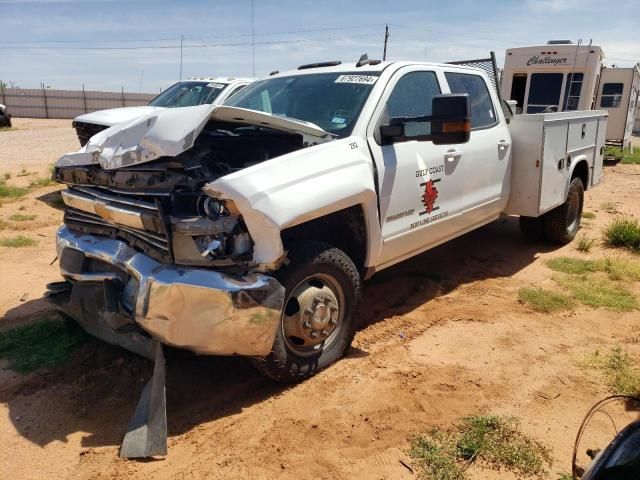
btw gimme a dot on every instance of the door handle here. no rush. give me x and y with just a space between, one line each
503 144
452 155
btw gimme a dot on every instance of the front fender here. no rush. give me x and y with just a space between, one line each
299 187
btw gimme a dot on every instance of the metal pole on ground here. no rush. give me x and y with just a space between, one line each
122 95
84 99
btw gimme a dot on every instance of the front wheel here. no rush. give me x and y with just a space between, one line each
317 325
562 223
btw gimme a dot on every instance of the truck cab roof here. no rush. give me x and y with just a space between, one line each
370 67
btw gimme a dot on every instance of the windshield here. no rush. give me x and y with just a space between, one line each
188 94
330 100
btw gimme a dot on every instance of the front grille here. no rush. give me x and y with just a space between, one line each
87 130
151 240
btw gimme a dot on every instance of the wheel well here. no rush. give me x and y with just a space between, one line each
581 170
344 229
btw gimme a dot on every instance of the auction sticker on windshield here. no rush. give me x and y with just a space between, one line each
364 79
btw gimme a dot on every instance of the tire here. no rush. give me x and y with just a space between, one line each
317 279
531 228
562 223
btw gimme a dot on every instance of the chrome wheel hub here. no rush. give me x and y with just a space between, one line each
312 316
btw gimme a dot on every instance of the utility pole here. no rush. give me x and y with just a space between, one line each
181 40
253 45
386 39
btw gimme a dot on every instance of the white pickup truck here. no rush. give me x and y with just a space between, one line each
248 228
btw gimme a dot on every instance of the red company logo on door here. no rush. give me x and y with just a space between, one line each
429 196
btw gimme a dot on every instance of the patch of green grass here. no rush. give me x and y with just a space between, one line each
609 207
588 215
623 156
43 344
436 458
598 291
20 217
7 129
584 244
623 232
42 182
495 441
546 301
18 242
618 369
565 476
616 269
11 191
572 265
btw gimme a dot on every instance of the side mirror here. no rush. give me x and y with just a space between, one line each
449 123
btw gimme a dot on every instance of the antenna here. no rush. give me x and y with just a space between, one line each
386 39
181 40
253 44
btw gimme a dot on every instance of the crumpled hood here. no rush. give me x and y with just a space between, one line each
114 116
169 132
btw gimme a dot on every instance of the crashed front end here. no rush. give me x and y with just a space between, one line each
123 296
147 255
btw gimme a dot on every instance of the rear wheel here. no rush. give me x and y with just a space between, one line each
318 323
562 223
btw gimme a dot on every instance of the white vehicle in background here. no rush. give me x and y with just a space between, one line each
195 91
562 76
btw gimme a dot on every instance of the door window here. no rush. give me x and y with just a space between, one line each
572 91
544 92
412 97
482 112
611 95
518 87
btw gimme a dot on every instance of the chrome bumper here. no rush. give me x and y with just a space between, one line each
201 310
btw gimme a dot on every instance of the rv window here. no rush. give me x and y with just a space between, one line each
482 112
518 87
544 92
611 95
572 91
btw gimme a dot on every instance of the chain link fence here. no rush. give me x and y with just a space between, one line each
48 103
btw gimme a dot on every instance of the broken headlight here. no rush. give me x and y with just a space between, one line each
210 207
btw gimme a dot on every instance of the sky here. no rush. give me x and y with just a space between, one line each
113 44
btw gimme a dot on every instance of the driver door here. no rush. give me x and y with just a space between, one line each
412 175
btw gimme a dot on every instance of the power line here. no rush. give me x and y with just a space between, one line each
173 39
209 45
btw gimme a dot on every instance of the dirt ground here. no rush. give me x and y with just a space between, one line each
443 335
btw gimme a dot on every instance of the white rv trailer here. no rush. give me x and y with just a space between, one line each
618 93
562 76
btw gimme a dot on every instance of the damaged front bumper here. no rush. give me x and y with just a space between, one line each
116 291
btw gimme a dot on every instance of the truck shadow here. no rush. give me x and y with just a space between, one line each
97 390
493 251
